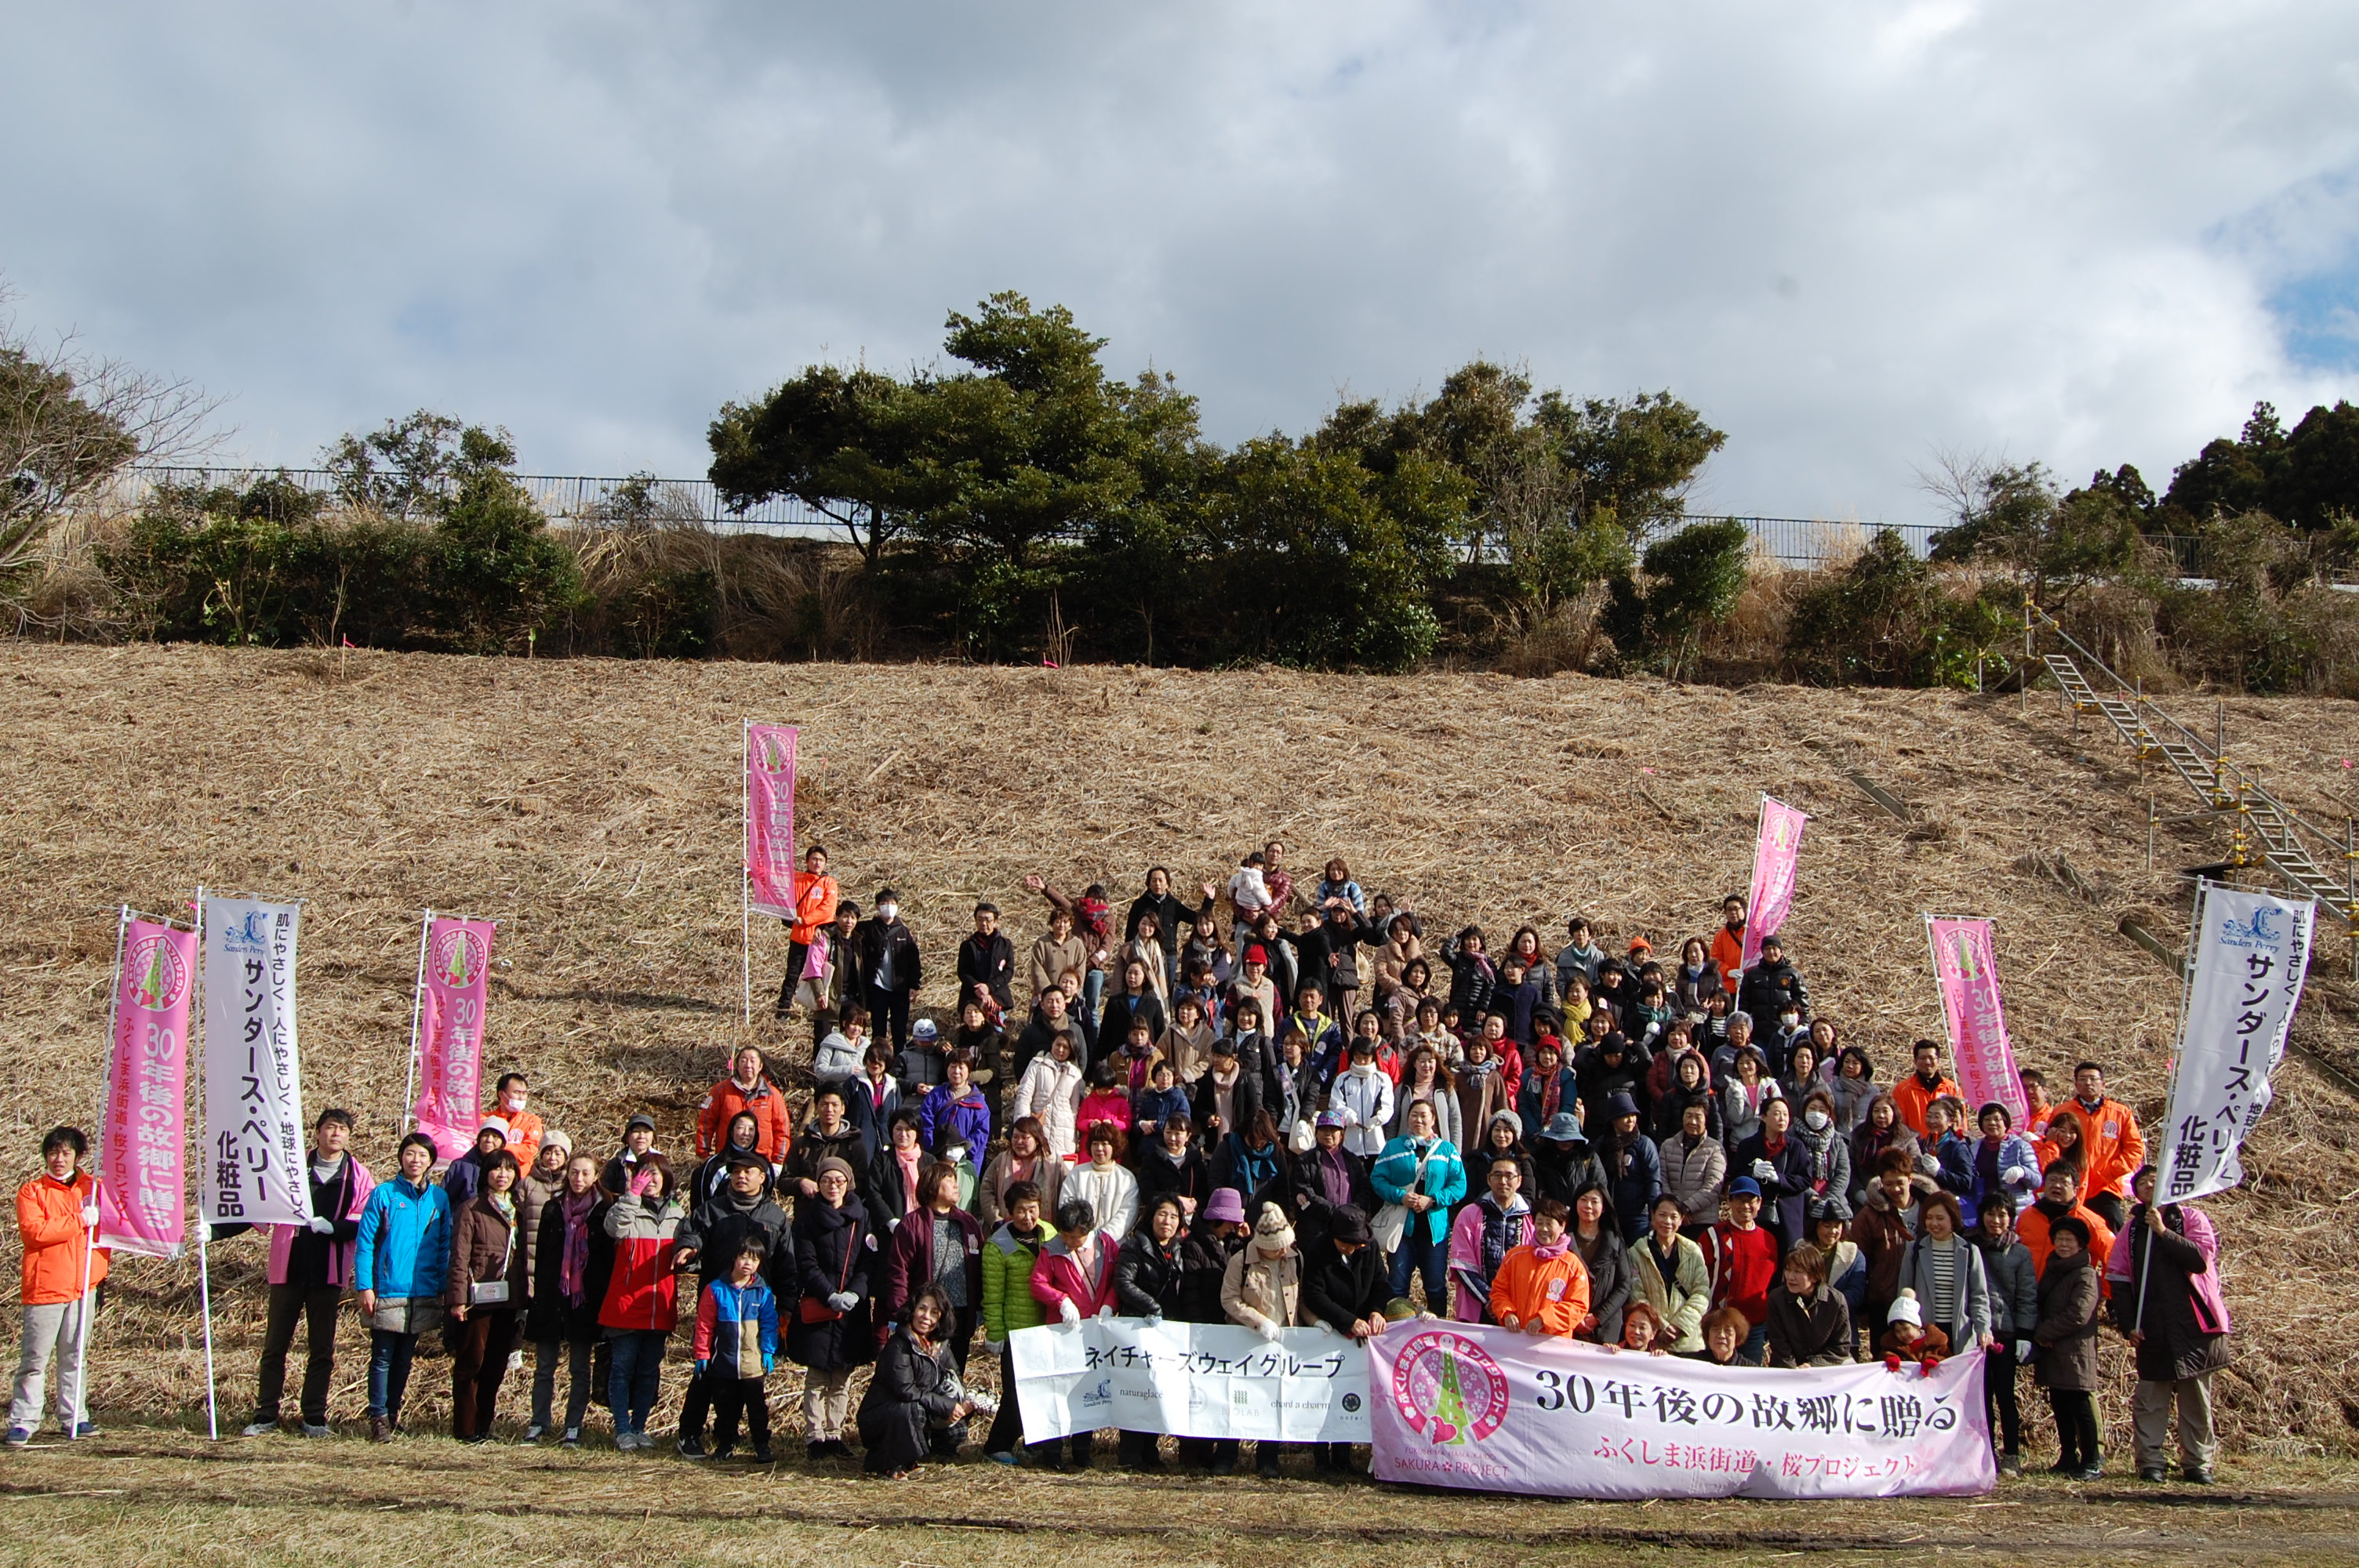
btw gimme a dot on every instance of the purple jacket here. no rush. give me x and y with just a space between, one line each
2211 1306
968 1115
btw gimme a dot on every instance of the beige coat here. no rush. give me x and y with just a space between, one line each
1258 1289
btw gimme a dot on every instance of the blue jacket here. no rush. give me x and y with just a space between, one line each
1637 1176
968 1115
404 1246
2018 1177
1155 1106
726 1317
1394 1172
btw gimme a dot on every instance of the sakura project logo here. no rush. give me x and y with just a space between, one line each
159 977
1448 1389
458 956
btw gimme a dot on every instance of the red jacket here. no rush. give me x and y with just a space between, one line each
1744 1265
815 899
774 1134
643 1293
1057 1277
1910 1097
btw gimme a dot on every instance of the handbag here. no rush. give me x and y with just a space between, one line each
814 1309
1390 1227
487 1293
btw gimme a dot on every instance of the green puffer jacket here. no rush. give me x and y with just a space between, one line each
1009 1303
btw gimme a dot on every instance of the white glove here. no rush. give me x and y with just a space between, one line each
1763 1171
90 1216
1268 1331
1155 1319
843 1301
2023 1352
323 1226
994 1346
1068 1312
1105 1312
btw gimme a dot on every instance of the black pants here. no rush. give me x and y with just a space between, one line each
479 1362
730 1396
2109 1207
1138 1447
889 1008
1998 1396
1008 1426
798 953
962 1322
1207 1452
2076 1426
694 1404
315 1308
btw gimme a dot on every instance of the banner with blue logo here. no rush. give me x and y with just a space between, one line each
2243 980
1190 1380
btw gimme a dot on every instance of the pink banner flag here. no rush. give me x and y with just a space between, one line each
1775 854
451 1034
144 1139
770 819
1965 966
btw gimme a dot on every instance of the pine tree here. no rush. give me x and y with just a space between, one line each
1449 1418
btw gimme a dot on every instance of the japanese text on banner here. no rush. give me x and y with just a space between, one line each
1192 1379
253 1088
144 1136
1777 858
451 1034
770 819
2251 953
1965 966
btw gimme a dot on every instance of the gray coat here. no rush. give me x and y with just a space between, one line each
2013 1287
1973 1311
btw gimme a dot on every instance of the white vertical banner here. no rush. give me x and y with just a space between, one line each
2244 981
252 1171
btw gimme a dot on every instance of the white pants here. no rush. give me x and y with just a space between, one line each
51 1329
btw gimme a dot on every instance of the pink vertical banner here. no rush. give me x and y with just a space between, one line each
770 819
144 1137
451 1034
1965 966
1777 853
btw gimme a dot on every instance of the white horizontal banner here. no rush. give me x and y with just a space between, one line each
1192 1379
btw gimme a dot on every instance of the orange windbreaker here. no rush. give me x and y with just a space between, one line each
1553 1290
48 1221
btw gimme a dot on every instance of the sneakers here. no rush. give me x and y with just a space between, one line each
815 1452
532 1433
627 1442
2196 1478
2088 1473
572 1438
1008 1459
258 1429
17 1437
689 1448
762 1454
2010 1464
722 1452
318 1429
2153 1473
87 1429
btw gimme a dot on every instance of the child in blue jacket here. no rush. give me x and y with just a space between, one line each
736 1340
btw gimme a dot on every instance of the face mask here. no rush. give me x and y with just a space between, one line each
886 912
1789 1019
1816 1120
514 1102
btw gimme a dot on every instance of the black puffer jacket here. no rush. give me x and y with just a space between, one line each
1148 1277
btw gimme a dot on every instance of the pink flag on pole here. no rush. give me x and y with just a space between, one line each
1965 966
142 1139
450 1034
770 819
1775 854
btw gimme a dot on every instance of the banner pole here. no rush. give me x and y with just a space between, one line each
744 868
1745 938
417 1001
2177 1065
204 1222
90 1242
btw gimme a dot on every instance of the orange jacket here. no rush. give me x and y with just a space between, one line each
525 1131
814 907
48 1221
769 1107
1910 1097
1553 1290
2112 1146
2033 1230
1728 952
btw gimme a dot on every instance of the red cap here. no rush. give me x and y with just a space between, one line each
1258 954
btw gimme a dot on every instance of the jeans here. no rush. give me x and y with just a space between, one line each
390 1354
1754 1351
1998 1397
52 1331
638 1373
1425 1258
546 1357
315 1309
1092 995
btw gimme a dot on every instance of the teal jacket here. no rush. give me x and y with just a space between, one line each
404 1246
1394 1173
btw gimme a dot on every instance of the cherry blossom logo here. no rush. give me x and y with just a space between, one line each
159 976
1448 1389
457 958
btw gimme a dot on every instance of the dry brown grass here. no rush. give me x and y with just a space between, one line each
593 809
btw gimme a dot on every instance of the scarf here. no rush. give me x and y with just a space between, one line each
576 1259
908 1159
1547 1254
1257 1166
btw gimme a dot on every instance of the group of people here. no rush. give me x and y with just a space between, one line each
1272 1108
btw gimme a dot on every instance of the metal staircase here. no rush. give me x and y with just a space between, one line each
2265 831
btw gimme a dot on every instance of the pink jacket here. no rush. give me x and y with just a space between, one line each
2211 1306
1466 1257
1057 1277
282 1237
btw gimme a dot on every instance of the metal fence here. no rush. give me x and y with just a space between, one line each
1796 543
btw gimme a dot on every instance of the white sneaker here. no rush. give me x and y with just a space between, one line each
571 1438
532 1433
321 1430
259 1429
516 1360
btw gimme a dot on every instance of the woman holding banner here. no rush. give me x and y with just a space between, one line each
56 1218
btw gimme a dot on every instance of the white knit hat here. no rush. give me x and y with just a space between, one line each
1906 1310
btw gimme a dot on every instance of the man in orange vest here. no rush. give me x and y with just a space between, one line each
57 1218
1728 944
1911 1095
815 896
2112 1148
2059 1194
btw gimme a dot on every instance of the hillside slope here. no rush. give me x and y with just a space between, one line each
592 809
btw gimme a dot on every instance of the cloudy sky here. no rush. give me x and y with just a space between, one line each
1854 234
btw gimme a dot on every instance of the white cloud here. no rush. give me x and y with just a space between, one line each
1849 233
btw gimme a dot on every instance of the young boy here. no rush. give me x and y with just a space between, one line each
736 1340
1743 1258
56 1218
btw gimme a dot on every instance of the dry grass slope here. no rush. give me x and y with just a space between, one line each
593 809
